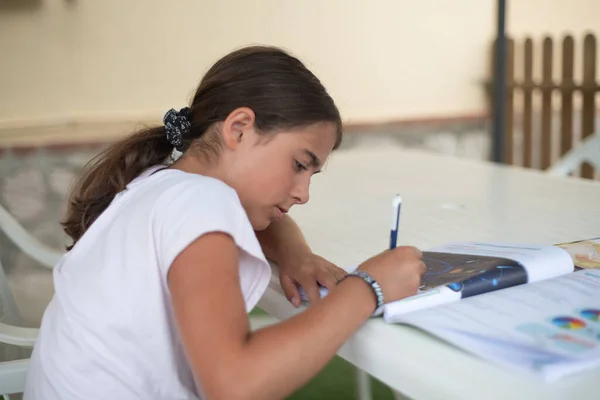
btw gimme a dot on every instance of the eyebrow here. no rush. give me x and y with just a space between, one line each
314 160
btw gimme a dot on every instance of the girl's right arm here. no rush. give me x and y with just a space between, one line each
231 362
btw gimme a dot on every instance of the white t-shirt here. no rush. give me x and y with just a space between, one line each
109 332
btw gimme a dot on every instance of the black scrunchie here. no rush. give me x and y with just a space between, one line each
177 126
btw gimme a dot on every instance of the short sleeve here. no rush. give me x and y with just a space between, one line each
191 209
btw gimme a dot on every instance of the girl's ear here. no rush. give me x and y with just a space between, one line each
239 123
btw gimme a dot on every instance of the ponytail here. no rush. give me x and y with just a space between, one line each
280 90
109 173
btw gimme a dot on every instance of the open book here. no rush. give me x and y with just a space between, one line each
549 329
533 308
459 270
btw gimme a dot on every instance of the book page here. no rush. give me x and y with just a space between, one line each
459 270
539 261
554 325
470 275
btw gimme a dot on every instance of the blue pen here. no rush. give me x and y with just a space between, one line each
396 206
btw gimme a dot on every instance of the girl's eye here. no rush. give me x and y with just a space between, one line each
300 167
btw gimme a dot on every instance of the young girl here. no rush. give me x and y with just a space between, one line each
151 300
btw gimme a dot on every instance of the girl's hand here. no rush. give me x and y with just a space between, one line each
398 271
307 270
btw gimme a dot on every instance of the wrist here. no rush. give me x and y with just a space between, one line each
369 282
362 292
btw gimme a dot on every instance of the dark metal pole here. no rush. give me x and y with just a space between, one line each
499 98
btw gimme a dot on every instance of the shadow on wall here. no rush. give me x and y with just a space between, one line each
21 5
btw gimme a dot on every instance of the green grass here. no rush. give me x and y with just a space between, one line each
257 311
335 381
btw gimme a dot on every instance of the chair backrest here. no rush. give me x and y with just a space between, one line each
42 253
11 332
12 377
17 341
587 151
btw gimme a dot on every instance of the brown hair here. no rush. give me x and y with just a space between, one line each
280 90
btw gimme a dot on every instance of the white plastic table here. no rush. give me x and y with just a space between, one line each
445 199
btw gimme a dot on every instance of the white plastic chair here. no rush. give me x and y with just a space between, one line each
587 151
13 373
40 252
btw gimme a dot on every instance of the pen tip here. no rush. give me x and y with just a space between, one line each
397 200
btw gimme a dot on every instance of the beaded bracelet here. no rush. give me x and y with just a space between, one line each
372 283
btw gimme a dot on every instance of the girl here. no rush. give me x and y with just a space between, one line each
151 299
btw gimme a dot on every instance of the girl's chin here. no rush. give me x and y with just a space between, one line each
261 225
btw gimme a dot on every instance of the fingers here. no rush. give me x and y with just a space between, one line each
418 253
309 275
312 290
337 272
408 251
422 268
327 279
413 251
291 290
422 272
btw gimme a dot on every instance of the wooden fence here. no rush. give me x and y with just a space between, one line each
548 109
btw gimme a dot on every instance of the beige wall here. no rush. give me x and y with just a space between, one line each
110 60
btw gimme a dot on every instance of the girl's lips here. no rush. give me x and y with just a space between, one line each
279 212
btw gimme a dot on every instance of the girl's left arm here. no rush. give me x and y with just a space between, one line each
283 243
